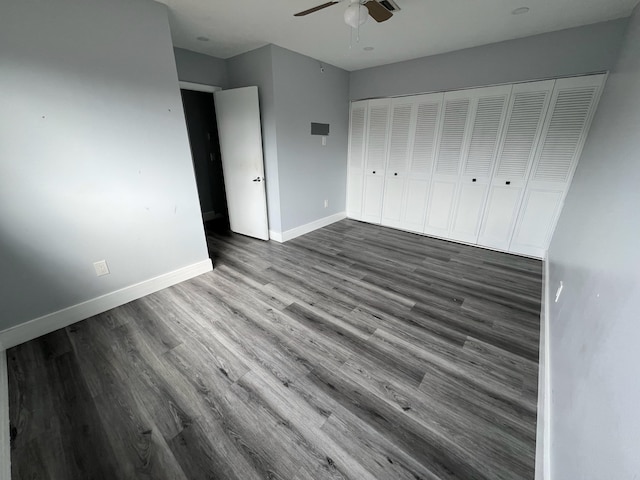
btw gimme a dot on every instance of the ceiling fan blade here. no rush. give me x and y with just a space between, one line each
315 9
377 11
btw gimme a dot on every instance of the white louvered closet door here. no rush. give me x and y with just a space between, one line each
402 126
572 107
489 106
525 117
375 159
422 152
454 133
355 175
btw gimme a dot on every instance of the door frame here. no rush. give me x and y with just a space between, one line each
200 87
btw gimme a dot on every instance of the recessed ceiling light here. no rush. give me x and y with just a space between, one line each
203 39
520 11
368 49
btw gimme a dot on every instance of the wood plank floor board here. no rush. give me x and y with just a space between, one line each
419 442
242 441
500 451
140 451
302 345
70 414
515 338
352 352
380 456
396 362
407 324
487 379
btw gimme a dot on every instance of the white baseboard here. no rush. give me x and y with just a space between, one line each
307 228
5 447
48 323
543 433
275 236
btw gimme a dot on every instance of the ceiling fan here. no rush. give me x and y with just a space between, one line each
358 11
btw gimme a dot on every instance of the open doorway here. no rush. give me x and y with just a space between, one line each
199 110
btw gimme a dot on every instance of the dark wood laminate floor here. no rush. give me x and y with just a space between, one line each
354 352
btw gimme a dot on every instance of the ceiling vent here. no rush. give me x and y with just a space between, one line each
389 5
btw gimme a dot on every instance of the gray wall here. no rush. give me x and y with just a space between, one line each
198 68
574 51
300 172
94 156
255 68
310 173
595 325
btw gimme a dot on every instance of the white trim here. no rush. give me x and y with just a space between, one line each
198 87
547 376
275 236
543 430
48 323
5 447
309 227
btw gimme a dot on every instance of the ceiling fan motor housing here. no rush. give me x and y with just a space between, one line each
356 14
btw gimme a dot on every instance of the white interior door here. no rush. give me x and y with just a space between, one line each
238 116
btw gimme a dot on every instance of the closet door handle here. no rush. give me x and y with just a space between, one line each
374 172
473 180
396 174
507 183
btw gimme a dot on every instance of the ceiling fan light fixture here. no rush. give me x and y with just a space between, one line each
355 15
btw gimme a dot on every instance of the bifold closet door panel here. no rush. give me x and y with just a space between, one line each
355 175
402 127
354 195
536 221
414 126
527 110
489 107
415 204
428 109
453 138
565 130
375 159
394 189
372 198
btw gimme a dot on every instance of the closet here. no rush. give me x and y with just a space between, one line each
487 166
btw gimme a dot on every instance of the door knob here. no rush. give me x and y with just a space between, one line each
396 174
257 179
374 171
507 183
473 180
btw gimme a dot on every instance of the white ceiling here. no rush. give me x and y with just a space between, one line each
422 27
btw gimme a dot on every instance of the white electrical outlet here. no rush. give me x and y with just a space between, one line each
326 203
101 268
324 141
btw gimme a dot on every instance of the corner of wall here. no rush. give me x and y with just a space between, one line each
543 430
277 226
